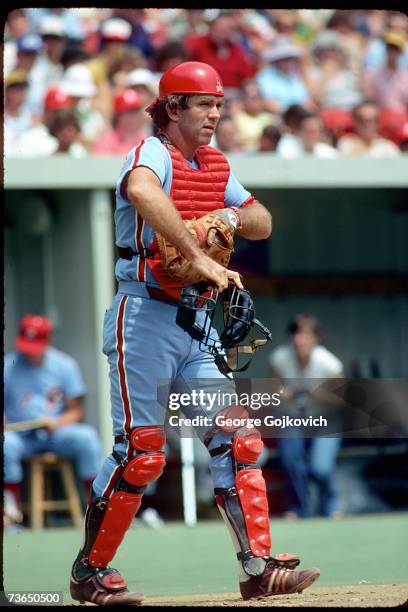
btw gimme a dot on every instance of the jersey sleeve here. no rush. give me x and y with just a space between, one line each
235 194
150 153
73 383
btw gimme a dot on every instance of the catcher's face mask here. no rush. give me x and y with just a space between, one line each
239 319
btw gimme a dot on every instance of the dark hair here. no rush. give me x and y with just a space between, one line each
169 50
301 322
293 115
62 119
72 54
158 111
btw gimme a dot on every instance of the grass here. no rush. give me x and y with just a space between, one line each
177 560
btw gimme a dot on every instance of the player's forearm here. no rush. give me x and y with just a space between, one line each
159 212
73 413
256 222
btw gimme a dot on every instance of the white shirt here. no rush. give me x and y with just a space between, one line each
322 365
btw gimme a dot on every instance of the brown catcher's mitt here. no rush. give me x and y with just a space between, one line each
214 236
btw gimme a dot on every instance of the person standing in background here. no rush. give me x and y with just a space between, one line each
302 365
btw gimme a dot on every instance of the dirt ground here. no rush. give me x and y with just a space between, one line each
356 596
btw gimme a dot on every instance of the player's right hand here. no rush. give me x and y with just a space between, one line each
213 271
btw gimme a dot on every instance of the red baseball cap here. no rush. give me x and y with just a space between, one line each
56 99
126 100
34 334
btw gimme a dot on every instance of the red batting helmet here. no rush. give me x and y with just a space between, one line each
190 78
126 100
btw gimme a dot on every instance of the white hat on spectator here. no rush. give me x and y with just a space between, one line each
282 48
78 82
116 29
52 26
142 76
326 39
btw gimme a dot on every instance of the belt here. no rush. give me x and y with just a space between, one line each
162 296
128 253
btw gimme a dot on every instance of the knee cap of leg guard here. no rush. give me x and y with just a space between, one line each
144 469
149 438
247 445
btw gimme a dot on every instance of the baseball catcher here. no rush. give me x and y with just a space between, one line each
178 207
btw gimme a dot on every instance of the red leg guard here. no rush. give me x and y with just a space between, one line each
247 445
144 469
148 438
252 494
119 514
122 506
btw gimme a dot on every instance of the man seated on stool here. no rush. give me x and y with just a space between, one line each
43 391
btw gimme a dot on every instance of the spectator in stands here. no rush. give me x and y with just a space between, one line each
331 82
289 140
310 140
269 139
115 35
45 386
139 36
66 130
17 118
38 141
375 55
168 55
78 83
126 62
281 82
219 49
47 70
28 48
17 26
366 139
128 125
251 119
70 20
388 85
73 54
351 41
145 83
302 366
226 135
191 25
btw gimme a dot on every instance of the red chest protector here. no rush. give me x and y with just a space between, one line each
194 192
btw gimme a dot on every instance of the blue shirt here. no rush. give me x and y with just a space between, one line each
285 89
31 392
151 153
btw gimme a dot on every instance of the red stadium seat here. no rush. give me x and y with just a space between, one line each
337 120
391 123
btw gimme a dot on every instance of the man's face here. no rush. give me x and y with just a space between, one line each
310 132
303 342
221 30
198 122
366 121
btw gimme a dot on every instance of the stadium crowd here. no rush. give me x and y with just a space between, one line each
320 82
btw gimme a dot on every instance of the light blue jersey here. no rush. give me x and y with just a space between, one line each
31 392
131 229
